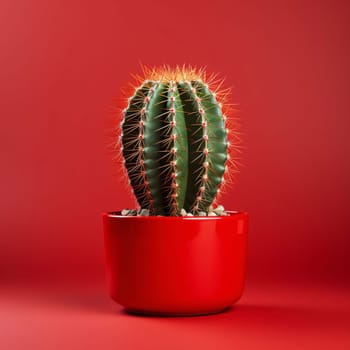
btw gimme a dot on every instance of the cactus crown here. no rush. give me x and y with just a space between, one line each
174 140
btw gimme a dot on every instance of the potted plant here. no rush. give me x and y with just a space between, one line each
179 252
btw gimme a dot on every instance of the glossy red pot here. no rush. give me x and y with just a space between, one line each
175 265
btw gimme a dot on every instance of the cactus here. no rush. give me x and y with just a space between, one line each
175 141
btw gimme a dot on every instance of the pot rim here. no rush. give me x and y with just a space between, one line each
231 214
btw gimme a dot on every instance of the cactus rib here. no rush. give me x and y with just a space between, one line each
133 143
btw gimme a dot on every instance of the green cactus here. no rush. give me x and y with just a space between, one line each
174 144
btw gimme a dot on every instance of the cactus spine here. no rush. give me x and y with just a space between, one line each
174 144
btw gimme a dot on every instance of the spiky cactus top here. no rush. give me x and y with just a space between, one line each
174 139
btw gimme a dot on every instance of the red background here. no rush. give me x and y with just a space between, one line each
61 65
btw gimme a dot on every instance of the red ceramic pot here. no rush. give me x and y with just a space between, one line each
175 265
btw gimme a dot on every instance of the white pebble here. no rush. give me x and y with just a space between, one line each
189 214
219 210
183 212
202 213
125 212
211 213
144 212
